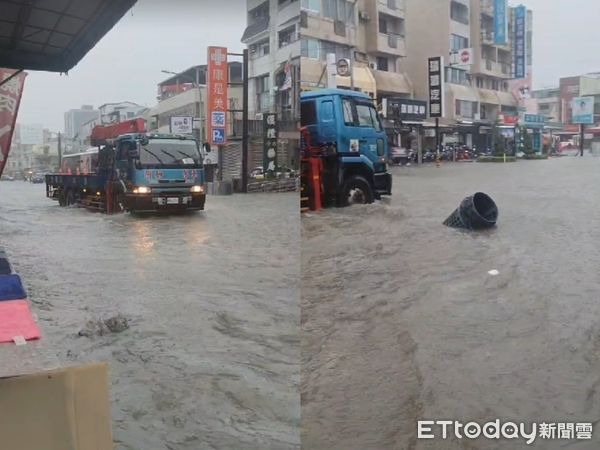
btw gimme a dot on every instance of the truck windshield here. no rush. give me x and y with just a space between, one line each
170 152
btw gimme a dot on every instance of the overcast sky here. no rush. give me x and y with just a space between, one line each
173 35
126 64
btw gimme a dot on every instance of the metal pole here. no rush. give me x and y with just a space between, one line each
59 153
437 136
245 123
581 135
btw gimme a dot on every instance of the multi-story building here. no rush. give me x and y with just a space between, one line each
273 39
370 34
74 118
548 103
120 112
477 95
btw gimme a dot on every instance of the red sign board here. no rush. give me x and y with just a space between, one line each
10 98
216 85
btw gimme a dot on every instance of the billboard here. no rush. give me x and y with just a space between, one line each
520 42
10 98
436 86
583 110
217 84
500 22
31 134
406 109
181 125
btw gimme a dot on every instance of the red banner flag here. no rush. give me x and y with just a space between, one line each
217 87
10 99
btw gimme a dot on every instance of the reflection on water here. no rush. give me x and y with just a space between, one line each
401 320
211 360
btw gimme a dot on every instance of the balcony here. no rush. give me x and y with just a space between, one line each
390 44
394 8
487 7
496 69
487 38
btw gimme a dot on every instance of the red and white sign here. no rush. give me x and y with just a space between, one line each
10 99
465 56
217 98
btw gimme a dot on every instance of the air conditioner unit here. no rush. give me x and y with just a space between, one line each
477 116
363 15
373 65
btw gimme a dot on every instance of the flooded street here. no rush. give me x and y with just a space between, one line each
402 322
212 356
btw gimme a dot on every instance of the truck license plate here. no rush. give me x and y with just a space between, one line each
172 200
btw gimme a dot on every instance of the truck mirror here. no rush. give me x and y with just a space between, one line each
207 147
133 153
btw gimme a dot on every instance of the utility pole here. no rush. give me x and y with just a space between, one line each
59 152
245 122
581 137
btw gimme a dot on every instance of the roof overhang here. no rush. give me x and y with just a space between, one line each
54 35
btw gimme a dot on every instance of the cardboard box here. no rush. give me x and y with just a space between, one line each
65 409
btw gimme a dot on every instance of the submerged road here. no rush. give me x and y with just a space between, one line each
402 322
211 358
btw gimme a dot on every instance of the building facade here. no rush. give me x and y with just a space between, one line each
368 34
272 36
120 112
479 95
74 118
548 103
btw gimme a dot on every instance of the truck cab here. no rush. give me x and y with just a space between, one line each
347 124
158 172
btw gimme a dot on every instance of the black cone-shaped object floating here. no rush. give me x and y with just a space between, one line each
476 212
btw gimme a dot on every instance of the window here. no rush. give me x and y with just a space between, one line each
459 12
495 85
263 48
456 76
341 51
308 113
262 93
287 36
458 42
480 82
312 5
375 119
339 10
310 48
465 109
348 114
382 63
382 25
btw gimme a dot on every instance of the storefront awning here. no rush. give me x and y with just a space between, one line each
390 82
465 93
507 99
488 97
54 35
363 80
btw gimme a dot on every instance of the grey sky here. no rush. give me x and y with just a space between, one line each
126 64
173 35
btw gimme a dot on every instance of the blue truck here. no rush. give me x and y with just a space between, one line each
347 135
135 172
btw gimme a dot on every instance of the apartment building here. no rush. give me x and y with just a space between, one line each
74 118
548 103
369 34
273 40
478 94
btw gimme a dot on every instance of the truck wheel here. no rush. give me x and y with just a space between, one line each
118 205
70 197
356 191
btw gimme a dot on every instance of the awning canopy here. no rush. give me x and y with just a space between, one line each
390 82
363 80
489 97
465 93
507 99
54 35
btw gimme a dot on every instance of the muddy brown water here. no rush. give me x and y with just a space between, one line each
402 322
211 357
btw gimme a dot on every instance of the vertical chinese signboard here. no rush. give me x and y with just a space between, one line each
270 133
217 81
436 86
10 98
500 22
520 40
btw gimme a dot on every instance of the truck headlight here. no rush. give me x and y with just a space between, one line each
197 189
141 190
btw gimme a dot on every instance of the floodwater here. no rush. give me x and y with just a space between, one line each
402 322
211 358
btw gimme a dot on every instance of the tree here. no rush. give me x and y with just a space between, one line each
526 144
499 147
